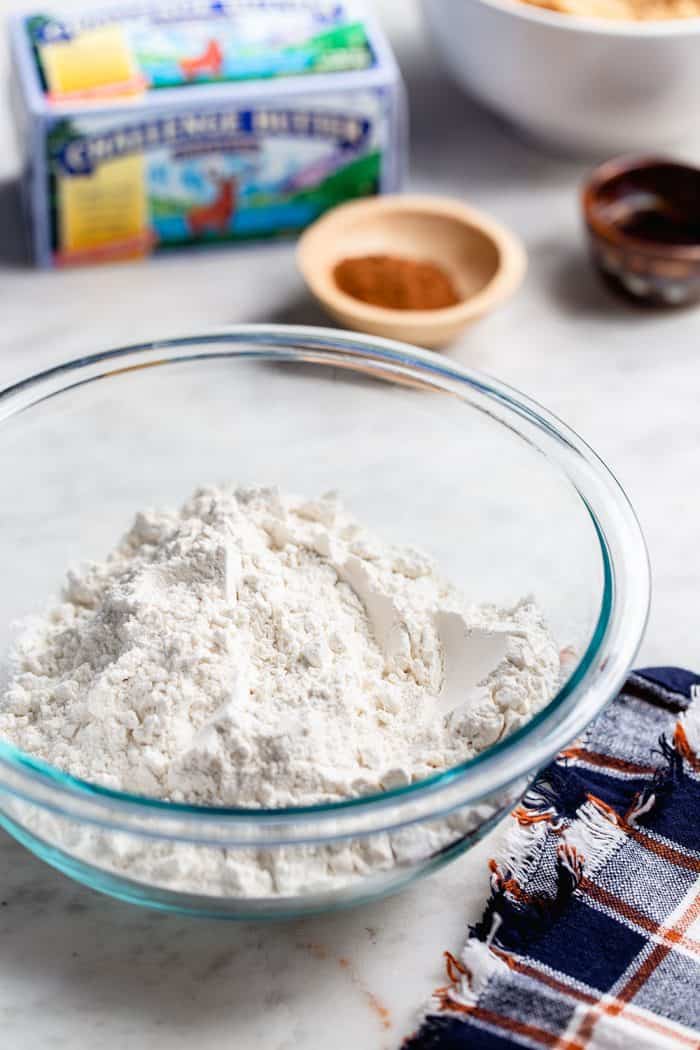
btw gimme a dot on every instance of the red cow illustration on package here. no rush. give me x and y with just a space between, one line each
210 61
215 217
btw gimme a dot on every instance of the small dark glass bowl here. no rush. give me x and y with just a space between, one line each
642 217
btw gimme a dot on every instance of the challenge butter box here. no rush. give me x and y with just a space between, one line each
154 126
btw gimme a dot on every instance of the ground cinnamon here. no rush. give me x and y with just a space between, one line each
396 283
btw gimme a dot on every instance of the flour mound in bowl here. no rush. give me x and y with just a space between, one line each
259 649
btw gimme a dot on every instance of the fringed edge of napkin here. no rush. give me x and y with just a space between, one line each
586 842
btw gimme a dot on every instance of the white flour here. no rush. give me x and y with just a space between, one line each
256 649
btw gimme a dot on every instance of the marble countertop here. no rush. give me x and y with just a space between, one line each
78 970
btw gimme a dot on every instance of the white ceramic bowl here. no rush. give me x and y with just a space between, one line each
587 84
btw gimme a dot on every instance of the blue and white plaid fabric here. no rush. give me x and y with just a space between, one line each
591 938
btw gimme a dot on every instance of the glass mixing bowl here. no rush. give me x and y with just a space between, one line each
508 500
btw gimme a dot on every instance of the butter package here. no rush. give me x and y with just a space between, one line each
155 126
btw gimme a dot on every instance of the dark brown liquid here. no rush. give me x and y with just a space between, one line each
658 204
661 227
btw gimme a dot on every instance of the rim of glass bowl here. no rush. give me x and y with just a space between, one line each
595 679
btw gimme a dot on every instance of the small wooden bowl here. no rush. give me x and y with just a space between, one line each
642 216
485 262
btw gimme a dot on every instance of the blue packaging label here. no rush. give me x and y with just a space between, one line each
121 189
136 49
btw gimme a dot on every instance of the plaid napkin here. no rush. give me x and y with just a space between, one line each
591 938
